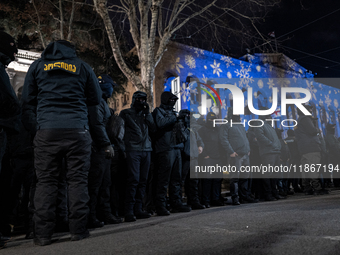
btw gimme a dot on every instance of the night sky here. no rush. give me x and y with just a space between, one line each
317 25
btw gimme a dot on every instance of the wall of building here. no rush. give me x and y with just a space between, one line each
261 72
17 69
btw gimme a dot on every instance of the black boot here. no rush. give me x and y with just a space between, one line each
197 206
130 218
95 223
142 215
217 203
162 211
236 201
181 208
111 219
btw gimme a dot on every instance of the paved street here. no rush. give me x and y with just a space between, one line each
298 225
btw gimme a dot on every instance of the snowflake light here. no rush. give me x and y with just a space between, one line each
190 61
216 68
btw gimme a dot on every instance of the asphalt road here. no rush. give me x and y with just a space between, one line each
297 225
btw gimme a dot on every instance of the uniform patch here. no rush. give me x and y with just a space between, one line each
61 66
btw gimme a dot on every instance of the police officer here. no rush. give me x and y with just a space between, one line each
192 148
294 160
168 154
138 122
9 107
270 151
309 145
9 104
102 152
211 186
234 140
57 91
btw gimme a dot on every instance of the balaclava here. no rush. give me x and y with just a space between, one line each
139 104
210 117
106 84
139 100
185 115
7 47
167 98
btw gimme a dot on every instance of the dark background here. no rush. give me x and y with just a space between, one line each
309 33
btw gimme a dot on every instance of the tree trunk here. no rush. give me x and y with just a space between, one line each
61 20
148 78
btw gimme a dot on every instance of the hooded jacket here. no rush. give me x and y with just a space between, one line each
99 116
234 138
137 127
9 104
191 145
306 135
165 119
58 89
267 139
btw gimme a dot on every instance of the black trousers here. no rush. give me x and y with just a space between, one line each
51 146
269 184
21 181
211 187
5 198
62 199
3 142
118 183
99 185
169 164
239 186
138 164
151 186
190 182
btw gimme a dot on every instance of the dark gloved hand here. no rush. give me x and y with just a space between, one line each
146 108
109 152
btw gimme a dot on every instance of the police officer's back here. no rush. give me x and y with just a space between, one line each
57 91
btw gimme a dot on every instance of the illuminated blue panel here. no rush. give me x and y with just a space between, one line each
257 71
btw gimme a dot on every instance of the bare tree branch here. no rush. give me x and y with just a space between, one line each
193 15
69 36
39 25
102 11
61 20
53 4
164 41
170 18
132 16
160 23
